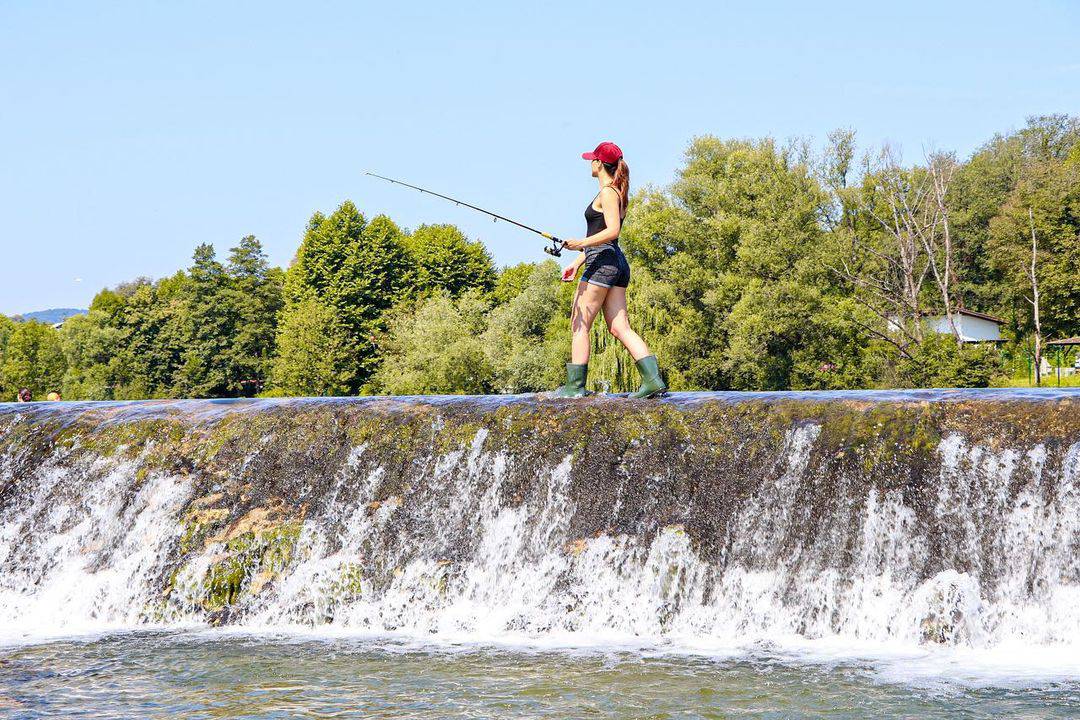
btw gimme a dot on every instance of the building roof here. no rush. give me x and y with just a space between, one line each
984 316
1065 341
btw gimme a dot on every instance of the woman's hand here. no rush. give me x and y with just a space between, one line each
574 244
570 271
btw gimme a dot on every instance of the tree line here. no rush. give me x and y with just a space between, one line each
761 266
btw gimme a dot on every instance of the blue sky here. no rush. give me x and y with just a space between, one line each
130 132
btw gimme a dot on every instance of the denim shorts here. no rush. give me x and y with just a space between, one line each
606 266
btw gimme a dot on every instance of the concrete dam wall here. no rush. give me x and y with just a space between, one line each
922 517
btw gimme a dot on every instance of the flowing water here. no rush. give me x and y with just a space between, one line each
900 554
206 675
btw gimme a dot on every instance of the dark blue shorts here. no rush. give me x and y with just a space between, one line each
606 267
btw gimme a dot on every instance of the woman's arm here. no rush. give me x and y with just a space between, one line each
609 204
570 271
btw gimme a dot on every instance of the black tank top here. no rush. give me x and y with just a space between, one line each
594 221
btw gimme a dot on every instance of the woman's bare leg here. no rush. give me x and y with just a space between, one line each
619 325
587 303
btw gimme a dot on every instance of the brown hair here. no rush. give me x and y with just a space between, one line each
620 180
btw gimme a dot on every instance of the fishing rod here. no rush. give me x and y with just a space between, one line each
556 244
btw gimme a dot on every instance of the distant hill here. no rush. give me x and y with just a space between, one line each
51 316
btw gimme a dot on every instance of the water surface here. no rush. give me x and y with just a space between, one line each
208 674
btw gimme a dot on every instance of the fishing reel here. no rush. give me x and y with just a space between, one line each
556 247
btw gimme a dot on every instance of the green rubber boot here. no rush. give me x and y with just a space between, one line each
651 382
575 382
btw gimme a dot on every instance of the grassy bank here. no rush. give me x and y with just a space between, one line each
1051 380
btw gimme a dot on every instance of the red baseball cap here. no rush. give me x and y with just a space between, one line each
605 152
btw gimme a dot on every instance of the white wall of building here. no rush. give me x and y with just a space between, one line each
972 329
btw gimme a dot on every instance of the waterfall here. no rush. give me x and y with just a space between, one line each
921 518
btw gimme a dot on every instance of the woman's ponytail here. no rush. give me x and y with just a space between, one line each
620 180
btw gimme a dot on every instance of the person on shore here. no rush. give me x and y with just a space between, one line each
24 395
606 275
53 396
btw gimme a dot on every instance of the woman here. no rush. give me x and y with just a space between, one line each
606 275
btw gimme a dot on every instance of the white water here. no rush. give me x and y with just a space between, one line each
85 550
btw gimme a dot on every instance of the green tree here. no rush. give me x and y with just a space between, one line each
447 261
209 325
1049 194
437 348
34 359
766 326
356 270
512 281
89 345
521 348
254 299
1009 170
7 326
939 362
207 332
743 218
314 356
92 345
836 351
156 357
